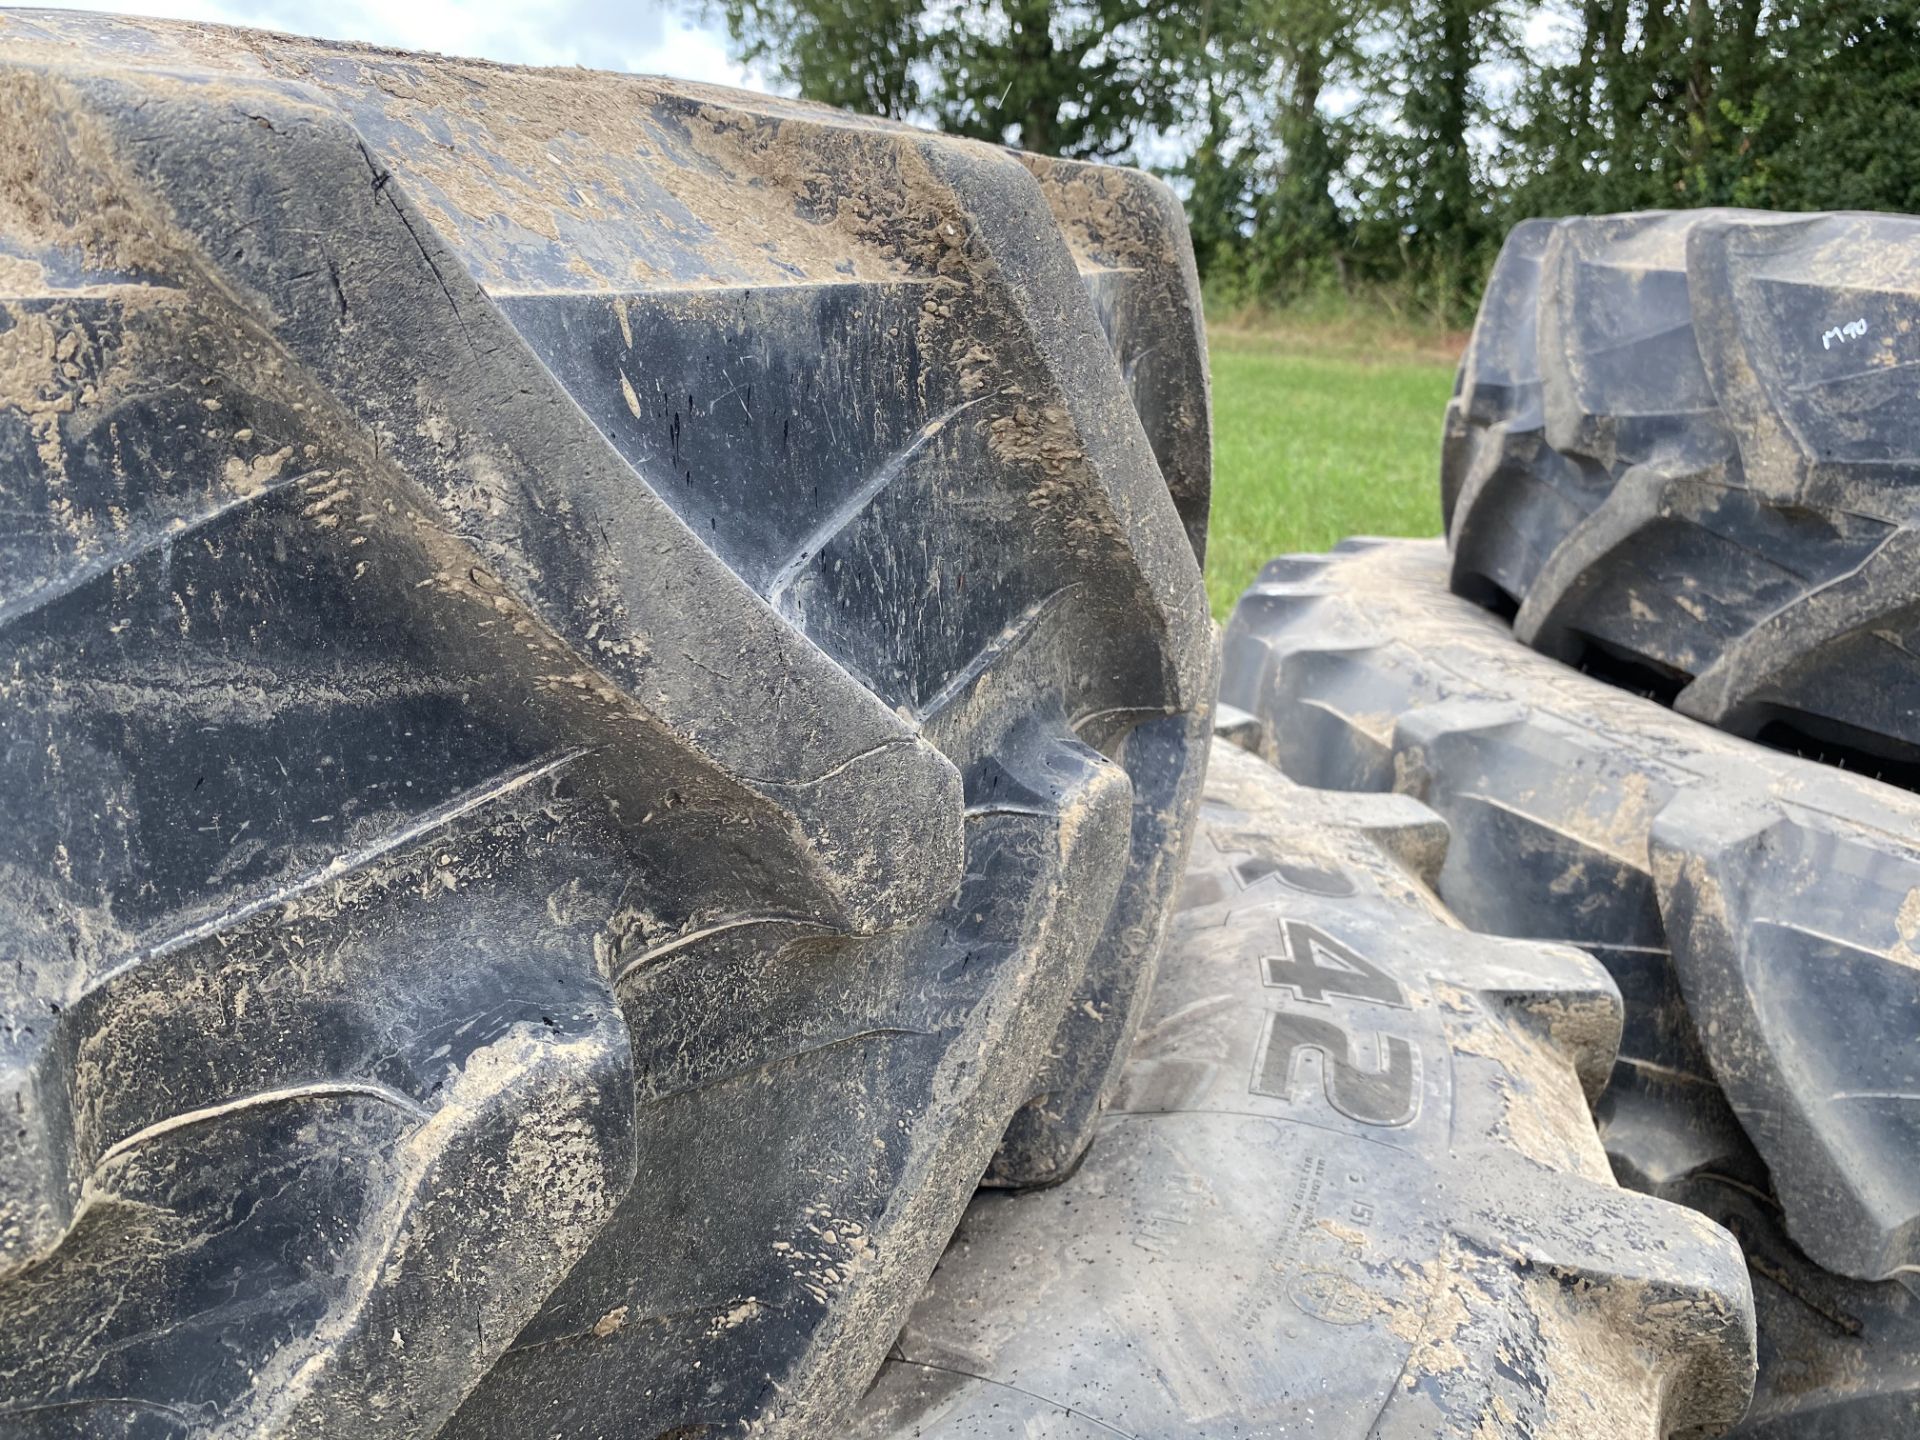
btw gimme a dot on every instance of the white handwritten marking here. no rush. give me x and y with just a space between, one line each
1852 330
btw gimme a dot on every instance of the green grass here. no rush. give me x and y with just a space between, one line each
1317 436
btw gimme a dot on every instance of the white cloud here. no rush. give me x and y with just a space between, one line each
654 39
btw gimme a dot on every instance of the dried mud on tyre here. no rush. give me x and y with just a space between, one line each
1756 909
1682 448
604 687
1349 1186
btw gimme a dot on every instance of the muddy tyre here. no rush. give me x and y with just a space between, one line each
1755 908
601 687
1679 454
1349 1187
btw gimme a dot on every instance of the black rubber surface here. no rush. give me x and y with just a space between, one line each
1682 453
1839 1359
1128 235
600 684
1349 1186
1758 911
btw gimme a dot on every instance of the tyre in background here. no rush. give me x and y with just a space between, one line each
1754 908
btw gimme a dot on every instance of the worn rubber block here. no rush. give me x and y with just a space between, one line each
1837 1357
1680 455
1128 235
1350 1186
600 684
1584 813
1756 908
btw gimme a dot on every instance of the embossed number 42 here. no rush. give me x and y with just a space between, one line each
1314 966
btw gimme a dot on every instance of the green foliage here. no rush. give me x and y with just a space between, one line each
857 54
1383 147
1847 91
1296 50
1084 80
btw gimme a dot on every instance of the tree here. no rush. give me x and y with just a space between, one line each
1392 142
1844 108
1300 233
1085 79
1664 105
860 55
1428 190
1220 178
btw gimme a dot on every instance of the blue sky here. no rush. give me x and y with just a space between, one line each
649 38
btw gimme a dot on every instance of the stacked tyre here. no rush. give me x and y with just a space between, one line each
1679 465
1349 1186
604 689
604 698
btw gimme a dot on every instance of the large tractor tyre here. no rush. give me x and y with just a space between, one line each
1681 453
1756 909
600 687
1839 1359
1128 235
1350 1186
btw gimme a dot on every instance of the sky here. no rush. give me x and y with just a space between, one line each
640 35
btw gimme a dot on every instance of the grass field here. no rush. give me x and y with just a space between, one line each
1320 435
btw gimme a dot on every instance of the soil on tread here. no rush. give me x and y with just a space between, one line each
1349 1186
1757 909
605 687
1679 454
1839 1359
